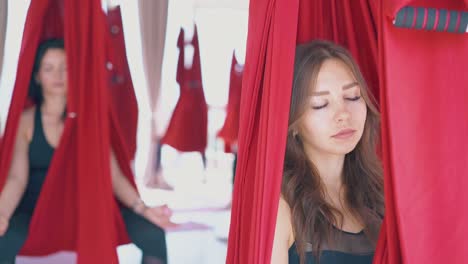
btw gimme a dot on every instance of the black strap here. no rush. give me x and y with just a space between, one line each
453 21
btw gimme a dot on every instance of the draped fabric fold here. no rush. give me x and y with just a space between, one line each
262 135
123 99
229 131
350 25
419 80
188 127
123 111
424 125
76 209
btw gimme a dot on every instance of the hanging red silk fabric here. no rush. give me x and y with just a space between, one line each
123 110
365 29
264 112
187 129
123 99
230 129
76 209
425 123
349 24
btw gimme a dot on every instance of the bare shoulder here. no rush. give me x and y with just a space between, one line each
26 123
283 238
283 207
284 219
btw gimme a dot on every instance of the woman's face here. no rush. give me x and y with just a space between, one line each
52 74
336 113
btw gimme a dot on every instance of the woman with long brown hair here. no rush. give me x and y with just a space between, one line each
332 200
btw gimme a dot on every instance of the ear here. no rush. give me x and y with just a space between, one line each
293 130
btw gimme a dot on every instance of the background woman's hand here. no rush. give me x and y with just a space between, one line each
3 225
160 216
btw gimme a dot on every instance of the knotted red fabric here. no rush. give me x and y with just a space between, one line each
187 130
229 131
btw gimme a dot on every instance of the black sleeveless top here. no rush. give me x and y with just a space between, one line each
40 155
346 248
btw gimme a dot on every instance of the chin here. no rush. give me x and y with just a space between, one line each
341 152
57 91
343 149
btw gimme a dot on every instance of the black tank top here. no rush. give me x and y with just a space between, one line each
40 155
347 248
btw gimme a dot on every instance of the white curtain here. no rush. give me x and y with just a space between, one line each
153 22
3 22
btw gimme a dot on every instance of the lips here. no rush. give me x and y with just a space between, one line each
344 134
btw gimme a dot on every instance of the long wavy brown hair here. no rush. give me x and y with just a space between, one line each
312 216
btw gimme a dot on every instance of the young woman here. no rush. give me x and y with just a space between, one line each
38 135
332 201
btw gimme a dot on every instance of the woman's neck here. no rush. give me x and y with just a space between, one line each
53 105
330 168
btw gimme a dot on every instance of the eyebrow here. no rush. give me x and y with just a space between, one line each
345 87
351 85
47 63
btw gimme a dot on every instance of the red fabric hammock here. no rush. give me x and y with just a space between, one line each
187 130
416 220
123 99
229 131
424 129
76 210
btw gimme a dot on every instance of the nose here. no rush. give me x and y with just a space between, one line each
342 114
60 74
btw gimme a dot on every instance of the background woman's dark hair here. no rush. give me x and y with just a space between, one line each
35 89
312 217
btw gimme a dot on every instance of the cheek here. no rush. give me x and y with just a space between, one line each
316 126
359 112
44 77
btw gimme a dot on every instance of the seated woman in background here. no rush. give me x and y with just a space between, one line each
38 135
332 201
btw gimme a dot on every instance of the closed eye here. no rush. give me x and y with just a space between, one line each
354 98
319 107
